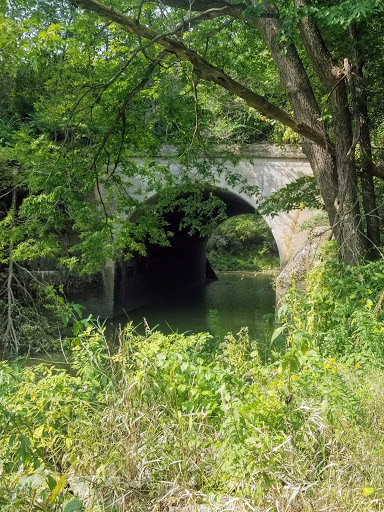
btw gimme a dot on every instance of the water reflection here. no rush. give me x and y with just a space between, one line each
235 300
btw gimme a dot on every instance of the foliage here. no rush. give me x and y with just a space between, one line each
243 231
244 242
179 420
36 330
189 420
302 193
40 312
342 310
53 81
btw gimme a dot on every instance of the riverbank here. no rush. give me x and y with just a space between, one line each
200 422
253 260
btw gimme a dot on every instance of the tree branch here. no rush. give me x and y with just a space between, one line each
238 10
131 94
207 71
10 335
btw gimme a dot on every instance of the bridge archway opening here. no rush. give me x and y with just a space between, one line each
166 271
243 242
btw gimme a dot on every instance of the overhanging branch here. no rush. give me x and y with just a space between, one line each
130 95
207 71
240 10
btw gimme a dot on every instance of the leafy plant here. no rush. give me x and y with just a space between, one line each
244 242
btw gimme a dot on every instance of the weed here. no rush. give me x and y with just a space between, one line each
200 422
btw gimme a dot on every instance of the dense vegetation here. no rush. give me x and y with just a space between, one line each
200 422
244 242
174 421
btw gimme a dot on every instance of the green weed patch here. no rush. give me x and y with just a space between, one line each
193 422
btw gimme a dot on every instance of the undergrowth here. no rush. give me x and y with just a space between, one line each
244 242
196 423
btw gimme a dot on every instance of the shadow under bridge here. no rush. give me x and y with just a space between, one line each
168 270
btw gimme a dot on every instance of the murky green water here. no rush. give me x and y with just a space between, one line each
235 300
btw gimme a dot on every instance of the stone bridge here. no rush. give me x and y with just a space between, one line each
129 285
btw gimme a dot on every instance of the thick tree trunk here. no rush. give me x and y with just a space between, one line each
344 220
351 244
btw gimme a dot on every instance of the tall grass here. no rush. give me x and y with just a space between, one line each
179 423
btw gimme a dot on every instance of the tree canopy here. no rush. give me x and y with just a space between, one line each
88 86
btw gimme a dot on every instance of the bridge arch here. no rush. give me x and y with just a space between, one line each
269 168
168 270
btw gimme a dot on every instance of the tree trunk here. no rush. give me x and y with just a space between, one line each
351 245
343 219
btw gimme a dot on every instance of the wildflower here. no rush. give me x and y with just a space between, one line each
332 360
295 377
339 367
326 366
280 384
357 365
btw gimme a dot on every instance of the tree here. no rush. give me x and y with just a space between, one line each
331 149
104 71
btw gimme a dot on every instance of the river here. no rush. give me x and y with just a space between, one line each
235 300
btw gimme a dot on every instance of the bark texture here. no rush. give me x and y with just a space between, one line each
349 232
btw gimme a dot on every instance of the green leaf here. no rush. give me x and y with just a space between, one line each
25 450
72 506
78 309
51 482
32 480
76 328
277 332
39 431
65 318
